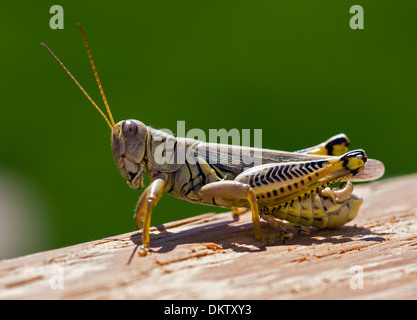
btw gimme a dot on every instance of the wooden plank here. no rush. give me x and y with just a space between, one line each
215 256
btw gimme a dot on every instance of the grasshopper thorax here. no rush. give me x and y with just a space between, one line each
128 145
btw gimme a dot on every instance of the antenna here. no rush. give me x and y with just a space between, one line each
96 75
111 125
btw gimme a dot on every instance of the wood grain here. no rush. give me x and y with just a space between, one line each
215 256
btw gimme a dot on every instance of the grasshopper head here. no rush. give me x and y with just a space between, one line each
128 144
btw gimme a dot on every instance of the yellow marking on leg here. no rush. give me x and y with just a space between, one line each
354 163
339 149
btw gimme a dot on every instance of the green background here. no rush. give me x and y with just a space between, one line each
294 69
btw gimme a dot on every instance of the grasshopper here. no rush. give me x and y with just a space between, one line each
287 186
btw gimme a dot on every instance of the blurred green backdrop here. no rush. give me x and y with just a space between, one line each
294 69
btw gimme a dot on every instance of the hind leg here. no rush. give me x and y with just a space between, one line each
334 146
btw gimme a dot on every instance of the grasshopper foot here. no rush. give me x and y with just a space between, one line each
143 250
301 229
261 239
237 211
283 235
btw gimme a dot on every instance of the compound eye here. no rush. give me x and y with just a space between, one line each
129 129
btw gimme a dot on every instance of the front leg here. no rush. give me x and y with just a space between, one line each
143 212
234 190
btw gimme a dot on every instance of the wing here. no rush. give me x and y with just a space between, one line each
235 159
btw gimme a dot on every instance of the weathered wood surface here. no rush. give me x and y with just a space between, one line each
215 256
